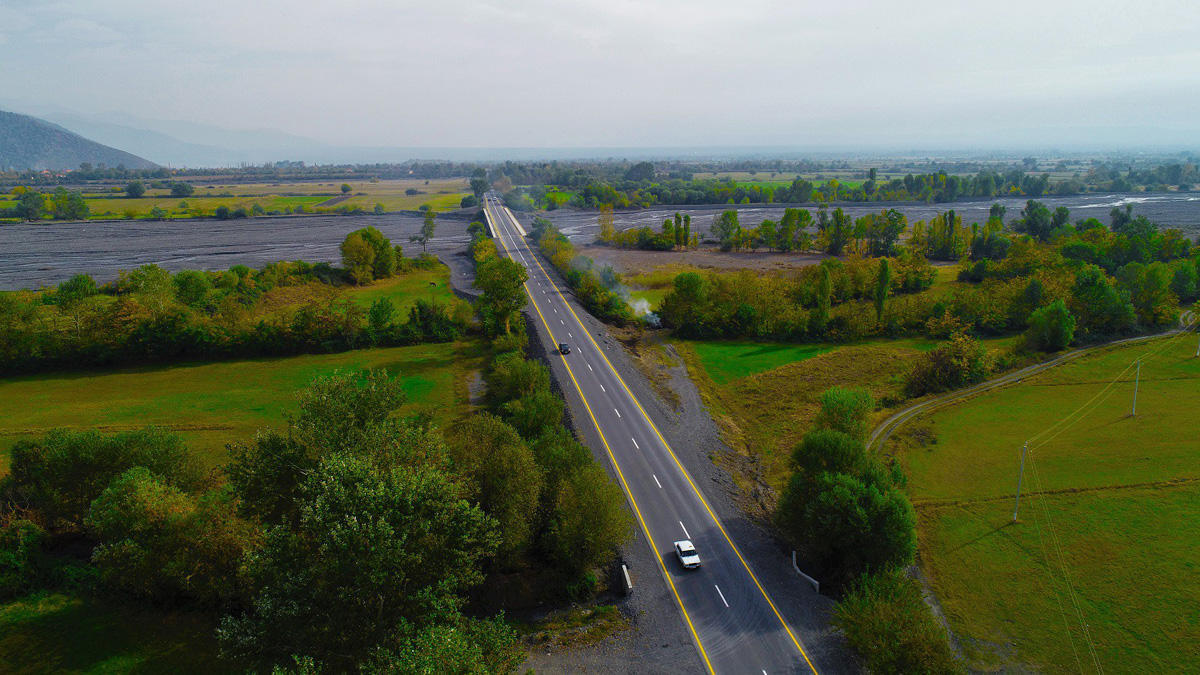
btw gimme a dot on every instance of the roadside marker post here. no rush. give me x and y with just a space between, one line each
1020 475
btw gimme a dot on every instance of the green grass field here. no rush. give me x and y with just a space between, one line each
405 290
211 404
763 395
1109 516
440 194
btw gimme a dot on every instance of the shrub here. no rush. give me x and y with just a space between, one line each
22 561
59 475
846 409
886 621
1051 328
956 363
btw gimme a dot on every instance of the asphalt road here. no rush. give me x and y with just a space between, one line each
735 625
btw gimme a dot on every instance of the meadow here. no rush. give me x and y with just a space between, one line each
311 197
211 404
763 395
1100 569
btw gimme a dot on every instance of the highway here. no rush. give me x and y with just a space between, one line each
735 625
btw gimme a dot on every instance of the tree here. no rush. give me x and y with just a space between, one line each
819 318
68 205
192 287
847 410
503 476
883 287
346 188
384 258
479 185
30 205
135 189
838 231
843 511
61 474
358 257
503 284
1035 220
590 519
1150 291
726 229
885 619
642 171
159 543
222 212
427 228
181 189
373 549
956 363
1051 328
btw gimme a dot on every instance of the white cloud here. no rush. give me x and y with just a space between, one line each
620 72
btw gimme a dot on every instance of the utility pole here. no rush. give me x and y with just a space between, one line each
1137 379
1020 475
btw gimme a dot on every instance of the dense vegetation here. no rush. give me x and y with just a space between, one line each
151 315
643 186
595 291
356 539
1110 280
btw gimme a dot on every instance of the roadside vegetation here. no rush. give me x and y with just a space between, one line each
459 512
149 315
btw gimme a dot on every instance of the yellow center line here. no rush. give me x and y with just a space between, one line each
620 474
679 464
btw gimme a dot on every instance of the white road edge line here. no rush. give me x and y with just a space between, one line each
656 481
722 595
685 532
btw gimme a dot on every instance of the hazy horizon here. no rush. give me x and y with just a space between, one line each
623 75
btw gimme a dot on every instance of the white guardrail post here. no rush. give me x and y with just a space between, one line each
815 584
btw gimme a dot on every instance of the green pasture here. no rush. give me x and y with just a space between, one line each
404 290
211 404
1109 514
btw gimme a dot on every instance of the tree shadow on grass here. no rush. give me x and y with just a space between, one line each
53 632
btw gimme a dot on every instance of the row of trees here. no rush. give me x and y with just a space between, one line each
676 234
846 512
595 289
151 315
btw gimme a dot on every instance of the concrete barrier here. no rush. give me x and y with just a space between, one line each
815 584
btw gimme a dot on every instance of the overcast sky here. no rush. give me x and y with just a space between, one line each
625 73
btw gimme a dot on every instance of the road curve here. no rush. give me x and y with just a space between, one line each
732 621
1187 320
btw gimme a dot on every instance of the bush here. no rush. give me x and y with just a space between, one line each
847 524
846 409
59 475
159 543
956 363
1051 328
22 561
886 621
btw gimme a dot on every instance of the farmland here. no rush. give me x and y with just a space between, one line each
1099 572
276 198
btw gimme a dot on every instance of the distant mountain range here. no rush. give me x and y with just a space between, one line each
31 143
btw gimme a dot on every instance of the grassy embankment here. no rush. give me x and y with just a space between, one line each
439 194
209 405
1109 515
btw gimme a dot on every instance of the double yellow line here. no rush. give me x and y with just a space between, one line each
671 452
